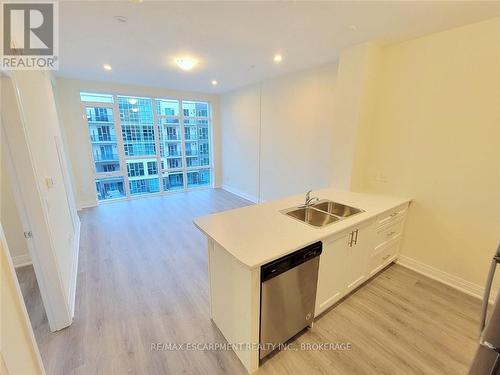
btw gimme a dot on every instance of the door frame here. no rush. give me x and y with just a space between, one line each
29 201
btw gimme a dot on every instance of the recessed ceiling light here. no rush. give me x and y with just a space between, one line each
214 82
135 109
107 67
186 63
132 101
278 58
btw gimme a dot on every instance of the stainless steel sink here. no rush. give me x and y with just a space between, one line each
337 209
322 213
312 216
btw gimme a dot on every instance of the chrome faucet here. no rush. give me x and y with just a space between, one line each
310 199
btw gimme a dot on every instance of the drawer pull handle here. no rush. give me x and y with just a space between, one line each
390 233
394 214
387 256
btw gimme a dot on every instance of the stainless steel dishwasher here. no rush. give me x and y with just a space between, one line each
288 296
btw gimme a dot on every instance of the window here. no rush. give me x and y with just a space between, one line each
103 139
109 188
167 107
135 169
144 186
148 145
198 178
96 98
152 169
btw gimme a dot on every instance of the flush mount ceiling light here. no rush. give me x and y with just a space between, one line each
277 58
132 101
107 67
186 63
214 82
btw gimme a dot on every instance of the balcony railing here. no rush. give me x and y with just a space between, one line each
109 138
105 157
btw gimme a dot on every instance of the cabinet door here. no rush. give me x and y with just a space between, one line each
332 273
357 255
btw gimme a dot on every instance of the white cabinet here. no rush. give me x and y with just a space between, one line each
350 257
342 265
358 248
387 234
332 272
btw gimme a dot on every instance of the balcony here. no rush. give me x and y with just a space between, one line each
105 157
100 120
103 139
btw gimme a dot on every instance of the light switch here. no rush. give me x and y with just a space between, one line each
49 181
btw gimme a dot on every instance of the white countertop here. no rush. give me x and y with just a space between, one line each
258 234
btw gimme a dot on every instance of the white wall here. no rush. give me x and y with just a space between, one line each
240 137
290 150
76 127
19 352
12 226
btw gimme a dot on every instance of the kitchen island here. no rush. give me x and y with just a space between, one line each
240 241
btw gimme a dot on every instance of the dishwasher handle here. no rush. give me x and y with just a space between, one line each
278 266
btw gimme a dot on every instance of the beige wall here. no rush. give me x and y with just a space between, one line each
435 137
76 134
289 150
18 349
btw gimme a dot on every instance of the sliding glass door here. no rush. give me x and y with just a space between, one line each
146 146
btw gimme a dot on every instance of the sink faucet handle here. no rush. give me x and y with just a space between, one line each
309 199
308 195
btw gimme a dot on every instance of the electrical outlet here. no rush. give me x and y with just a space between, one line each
381 177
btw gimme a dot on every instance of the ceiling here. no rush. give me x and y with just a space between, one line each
236 41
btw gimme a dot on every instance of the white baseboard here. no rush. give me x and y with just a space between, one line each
74 270
81 205
456 282
239 193
21 260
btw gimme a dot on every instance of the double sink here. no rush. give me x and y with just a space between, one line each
322 213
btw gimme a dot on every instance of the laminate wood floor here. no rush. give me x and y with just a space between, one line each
142 279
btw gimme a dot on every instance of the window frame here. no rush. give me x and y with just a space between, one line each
123 172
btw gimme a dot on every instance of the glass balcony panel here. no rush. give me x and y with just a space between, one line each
110 188
173 181
198 178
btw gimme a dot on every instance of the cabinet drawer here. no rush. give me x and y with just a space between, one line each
383 256
388 233
392 215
